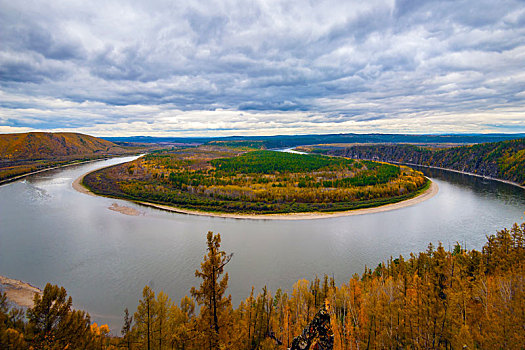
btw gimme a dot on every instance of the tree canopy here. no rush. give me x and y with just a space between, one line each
436 299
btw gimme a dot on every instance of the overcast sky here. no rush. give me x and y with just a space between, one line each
207 68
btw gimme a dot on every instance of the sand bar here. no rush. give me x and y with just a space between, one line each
19 292
77 185
124 210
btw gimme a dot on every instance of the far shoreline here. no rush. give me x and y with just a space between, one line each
430 192
460 172
21 176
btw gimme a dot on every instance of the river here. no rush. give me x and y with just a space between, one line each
51 233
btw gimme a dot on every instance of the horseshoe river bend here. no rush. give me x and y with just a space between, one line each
49 232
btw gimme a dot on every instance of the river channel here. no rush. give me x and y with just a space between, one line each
51 233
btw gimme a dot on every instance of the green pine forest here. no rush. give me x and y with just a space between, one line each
437 299
243 180
503 160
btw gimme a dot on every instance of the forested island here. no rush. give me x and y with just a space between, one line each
437 299
218 178
504 160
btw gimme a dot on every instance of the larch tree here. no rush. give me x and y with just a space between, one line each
210 295
145 318
182 324
162 306
126 329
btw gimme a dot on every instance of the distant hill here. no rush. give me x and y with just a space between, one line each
283 141
503 160
42 145
21 154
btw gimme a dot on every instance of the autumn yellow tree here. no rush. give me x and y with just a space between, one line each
215 306
145 318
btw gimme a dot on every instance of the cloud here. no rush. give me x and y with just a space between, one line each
184 68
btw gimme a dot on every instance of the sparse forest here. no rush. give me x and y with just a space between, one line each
436 299
211 178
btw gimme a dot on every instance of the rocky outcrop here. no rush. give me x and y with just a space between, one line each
317 335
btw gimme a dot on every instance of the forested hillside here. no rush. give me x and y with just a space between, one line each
27 152
41 145
436 299
262 182
503 160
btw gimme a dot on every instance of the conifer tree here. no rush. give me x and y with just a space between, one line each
55 325
162 306
181 324
145 317
210 295
126 328
3 319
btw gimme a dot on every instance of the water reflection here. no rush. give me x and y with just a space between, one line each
51 233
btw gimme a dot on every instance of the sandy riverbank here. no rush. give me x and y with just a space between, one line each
429 193
19 292
77 185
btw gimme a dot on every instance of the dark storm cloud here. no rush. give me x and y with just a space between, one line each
271 106
265 66
38 40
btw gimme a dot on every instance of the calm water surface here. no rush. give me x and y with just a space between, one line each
51 233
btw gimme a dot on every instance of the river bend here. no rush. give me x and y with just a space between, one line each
51 233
